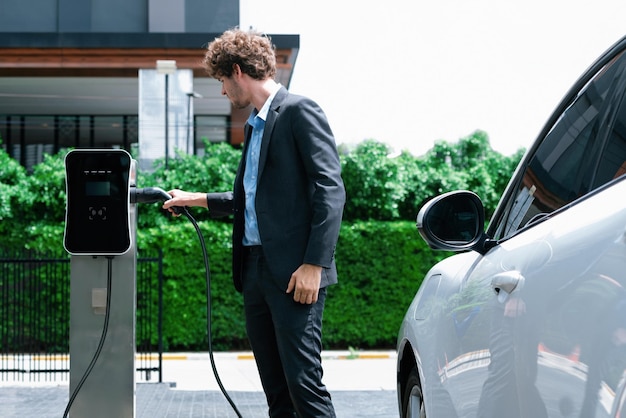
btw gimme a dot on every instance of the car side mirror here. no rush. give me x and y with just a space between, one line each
454 221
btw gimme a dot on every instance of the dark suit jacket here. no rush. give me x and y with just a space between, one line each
300 193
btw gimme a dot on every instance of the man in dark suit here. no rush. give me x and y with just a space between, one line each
287 202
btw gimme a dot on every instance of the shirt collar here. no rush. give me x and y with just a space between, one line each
266 106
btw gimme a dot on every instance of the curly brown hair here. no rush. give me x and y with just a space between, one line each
251 50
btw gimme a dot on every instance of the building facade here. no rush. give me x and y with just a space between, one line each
77 73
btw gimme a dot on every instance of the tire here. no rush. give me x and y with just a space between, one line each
412 399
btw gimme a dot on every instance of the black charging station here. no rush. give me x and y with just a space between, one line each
101 221
97 218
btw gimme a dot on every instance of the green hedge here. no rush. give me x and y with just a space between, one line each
184 295
380 265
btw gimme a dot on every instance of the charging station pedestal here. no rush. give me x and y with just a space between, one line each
100 236
109 391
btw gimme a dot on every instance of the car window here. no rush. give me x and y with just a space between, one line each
585 149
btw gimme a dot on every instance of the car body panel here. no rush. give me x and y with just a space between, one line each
483 354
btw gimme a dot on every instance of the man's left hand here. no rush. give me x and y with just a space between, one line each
305 283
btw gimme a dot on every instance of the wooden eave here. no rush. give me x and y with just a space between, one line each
109 62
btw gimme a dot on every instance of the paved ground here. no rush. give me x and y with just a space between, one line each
361 387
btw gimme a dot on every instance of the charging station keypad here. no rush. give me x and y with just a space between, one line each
97 214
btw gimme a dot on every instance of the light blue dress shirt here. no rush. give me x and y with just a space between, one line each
250 177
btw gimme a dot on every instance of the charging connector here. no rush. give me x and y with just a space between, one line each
152 195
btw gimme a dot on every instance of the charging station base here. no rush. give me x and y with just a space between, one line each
109 390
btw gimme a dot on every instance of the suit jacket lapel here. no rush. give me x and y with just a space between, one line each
270 122
247 132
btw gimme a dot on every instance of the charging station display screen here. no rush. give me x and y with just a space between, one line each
98 188
97 220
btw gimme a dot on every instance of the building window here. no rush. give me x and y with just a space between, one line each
27 138
209 129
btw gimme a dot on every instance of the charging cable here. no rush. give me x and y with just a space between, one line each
208 306
105 329
156 194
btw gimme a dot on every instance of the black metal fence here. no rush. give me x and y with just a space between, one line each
35 317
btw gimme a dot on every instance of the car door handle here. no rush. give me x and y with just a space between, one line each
506 282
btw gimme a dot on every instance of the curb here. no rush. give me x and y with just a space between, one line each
326 355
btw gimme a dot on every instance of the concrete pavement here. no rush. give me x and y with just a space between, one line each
362 385
342 371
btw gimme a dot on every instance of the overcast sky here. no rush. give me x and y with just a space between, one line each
409 72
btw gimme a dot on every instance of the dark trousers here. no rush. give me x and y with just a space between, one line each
286 339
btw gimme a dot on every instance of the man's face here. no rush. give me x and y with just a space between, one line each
232 89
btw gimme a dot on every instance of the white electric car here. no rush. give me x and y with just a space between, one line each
529 319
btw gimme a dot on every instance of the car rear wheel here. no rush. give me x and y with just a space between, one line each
413 401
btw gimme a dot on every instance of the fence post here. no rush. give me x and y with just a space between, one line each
160 316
